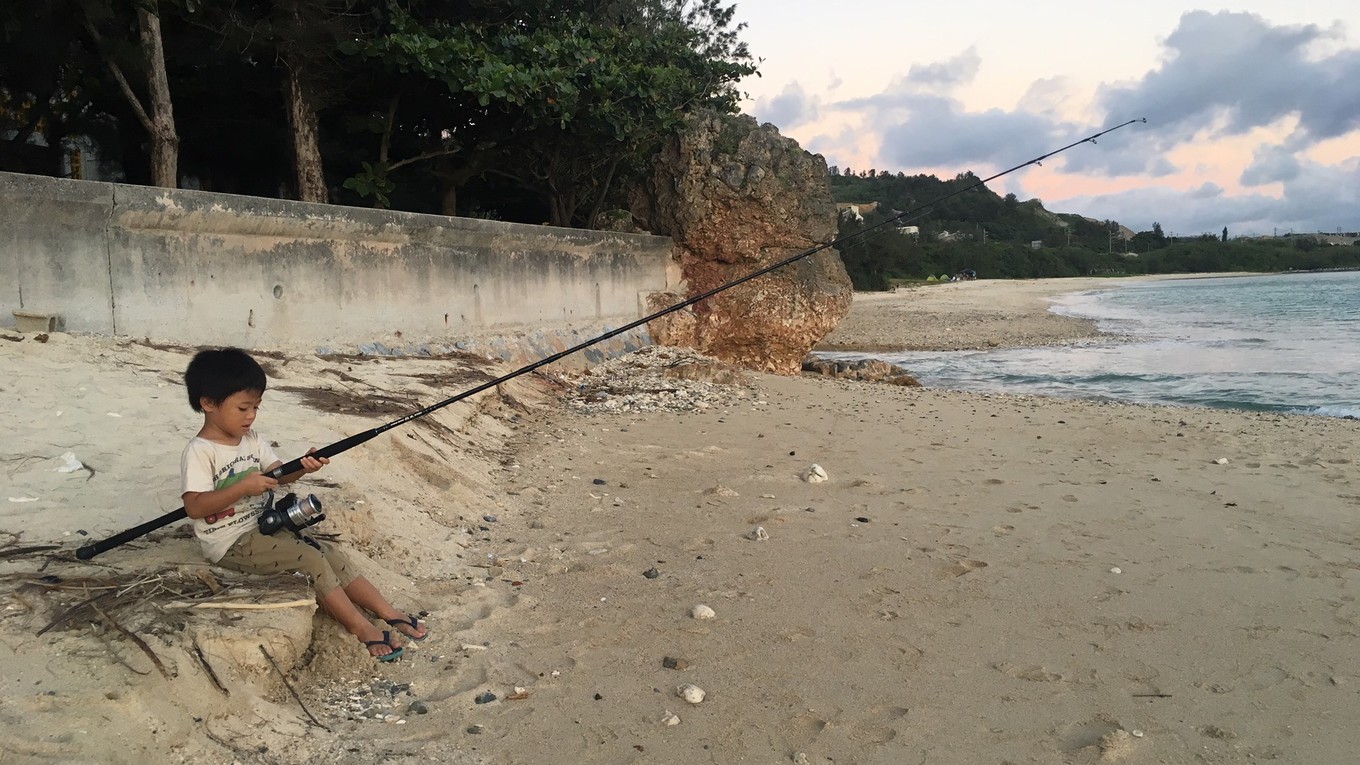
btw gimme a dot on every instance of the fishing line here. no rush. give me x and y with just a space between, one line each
94 548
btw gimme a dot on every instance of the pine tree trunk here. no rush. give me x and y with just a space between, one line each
448 200
164 139
303 122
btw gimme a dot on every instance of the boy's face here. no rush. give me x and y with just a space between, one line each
234 415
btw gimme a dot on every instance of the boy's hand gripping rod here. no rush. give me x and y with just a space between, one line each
343 445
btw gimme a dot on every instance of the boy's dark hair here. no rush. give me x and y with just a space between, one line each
216 374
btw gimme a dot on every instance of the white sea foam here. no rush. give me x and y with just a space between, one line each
1288 343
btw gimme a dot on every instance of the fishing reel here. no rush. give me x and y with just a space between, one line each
291 513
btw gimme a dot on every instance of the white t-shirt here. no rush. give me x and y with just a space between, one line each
208 466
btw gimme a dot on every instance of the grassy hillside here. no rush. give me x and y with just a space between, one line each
1003 237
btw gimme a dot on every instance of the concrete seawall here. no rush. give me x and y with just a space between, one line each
200 268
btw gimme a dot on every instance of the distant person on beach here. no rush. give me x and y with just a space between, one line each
225 489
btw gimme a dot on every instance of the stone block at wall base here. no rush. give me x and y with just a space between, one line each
36 321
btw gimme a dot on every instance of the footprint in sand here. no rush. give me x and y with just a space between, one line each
1107 738
465 679
471 615
1029 672
1213 731
874 734
909 656
1262 677
961 568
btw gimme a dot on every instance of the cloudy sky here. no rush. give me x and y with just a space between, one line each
1253 111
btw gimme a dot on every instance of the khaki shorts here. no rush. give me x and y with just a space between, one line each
256 553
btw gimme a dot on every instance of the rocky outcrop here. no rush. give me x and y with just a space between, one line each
736 196
863 370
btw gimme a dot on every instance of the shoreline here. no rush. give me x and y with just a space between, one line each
929 326
962 316
976 316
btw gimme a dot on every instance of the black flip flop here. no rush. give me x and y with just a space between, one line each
387 641
412 622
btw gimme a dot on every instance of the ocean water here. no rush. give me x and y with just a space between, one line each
1285 342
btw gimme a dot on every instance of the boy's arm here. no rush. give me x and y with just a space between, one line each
201 504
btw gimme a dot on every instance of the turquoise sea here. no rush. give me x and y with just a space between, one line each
1283 342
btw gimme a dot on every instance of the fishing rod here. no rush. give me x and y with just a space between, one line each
94 548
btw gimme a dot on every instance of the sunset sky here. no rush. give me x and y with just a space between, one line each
1253 110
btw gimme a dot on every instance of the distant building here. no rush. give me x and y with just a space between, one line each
855 210
912 231
851 212
1037 244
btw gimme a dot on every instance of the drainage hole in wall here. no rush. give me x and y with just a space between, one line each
278 291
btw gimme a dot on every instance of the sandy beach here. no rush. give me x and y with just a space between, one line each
980 579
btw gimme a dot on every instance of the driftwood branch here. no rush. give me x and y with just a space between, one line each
105 639
26 550
289 686
73 610
203 661
244 606
146 649
205 576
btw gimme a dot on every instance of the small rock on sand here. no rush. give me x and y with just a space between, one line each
691 693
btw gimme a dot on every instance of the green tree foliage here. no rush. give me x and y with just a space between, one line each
950 239
584 92
544 110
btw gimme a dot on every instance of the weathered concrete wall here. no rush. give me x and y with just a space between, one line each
199 268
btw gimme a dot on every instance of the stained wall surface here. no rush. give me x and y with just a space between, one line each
201 268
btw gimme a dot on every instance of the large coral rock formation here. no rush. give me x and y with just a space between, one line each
736 196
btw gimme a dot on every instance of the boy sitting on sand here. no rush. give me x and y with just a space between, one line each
225 464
